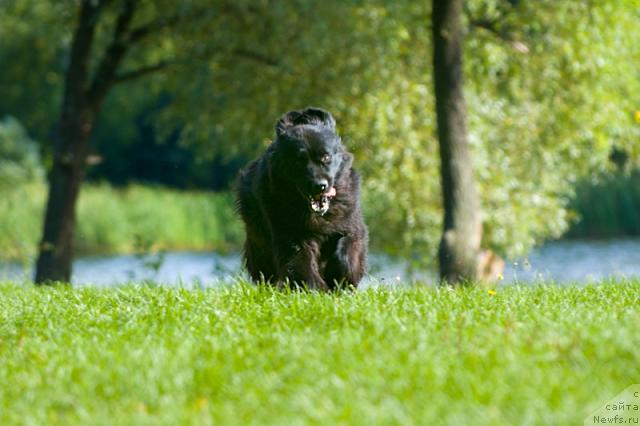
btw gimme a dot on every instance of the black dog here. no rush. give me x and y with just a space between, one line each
300 205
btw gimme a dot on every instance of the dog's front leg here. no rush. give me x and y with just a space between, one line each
299 264
347 262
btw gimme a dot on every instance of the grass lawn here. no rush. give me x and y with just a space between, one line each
141 355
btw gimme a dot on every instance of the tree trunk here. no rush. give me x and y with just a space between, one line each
82 100
69 154
460 243
65 178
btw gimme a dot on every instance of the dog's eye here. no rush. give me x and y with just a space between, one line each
325 159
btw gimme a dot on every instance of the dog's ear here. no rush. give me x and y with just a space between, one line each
308 115
320 117
287 121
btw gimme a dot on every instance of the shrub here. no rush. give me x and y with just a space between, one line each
19 156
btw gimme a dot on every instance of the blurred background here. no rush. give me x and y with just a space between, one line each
553 110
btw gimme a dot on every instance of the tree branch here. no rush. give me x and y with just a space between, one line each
491 25
159 66
140 72
124 37
77 74
124 19
142 31
162 65
108 66
255 56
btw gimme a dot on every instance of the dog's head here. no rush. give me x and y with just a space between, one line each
309 154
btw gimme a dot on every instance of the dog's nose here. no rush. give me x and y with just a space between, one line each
321 186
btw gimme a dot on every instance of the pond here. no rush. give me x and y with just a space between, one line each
560 261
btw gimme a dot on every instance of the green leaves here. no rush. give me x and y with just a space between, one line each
19 158
551 88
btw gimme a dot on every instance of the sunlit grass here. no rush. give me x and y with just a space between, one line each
111 220
241 354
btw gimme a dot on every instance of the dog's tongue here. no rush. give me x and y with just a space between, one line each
331 192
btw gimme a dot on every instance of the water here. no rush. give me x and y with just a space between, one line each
561 262
578 261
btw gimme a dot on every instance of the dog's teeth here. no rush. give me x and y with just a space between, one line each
319 206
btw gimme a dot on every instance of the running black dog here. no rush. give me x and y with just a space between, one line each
300 203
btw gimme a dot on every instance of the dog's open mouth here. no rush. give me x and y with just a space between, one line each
320 203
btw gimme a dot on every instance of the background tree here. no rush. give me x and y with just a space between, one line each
541 116
114 28
84 94
460 244
547 95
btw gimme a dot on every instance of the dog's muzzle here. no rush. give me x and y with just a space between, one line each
320 203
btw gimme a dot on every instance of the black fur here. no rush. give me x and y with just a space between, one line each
287 240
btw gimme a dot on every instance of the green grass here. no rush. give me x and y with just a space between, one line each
246 355
126 220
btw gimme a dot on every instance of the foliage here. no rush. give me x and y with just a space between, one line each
551 88
34 38
125 220
555 112
141 154
243 354
19 156
607 206
541 114
532 136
